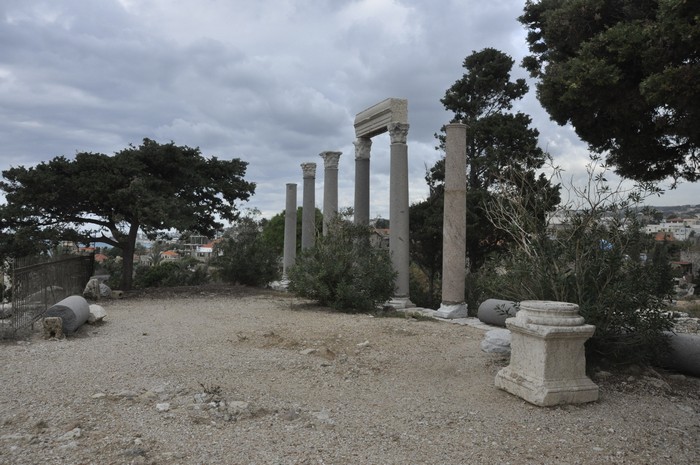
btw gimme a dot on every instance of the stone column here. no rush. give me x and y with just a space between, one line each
548 359
398 213
363 146
330 187
308 213
454 229
290 230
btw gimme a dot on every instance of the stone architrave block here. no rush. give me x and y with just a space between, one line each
548 361
375 119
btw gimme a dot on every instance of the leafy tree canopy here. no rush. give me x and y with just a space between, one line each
153 188
626 75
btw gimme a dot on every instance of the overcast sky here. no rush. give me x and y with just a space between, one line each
273 82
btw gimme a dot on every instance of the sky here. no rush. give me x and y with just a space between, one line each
272 82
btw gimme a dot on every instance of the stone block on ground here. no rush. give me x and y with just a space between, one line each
97 314
496 341
92 289
53 327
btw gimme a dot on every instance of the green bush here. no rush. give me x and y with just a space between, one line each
593 259
183 272
245 258
343 271
421 292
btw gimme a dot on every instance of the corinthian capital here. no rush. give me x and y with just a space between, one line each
398 132
309 170
363 145
330 159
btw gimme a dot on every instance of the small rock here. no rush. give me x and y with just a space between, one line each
685 408
163 407
75 433
97 314
290 414
363 344
603 374
324 417
327 353
105 290
238 405
126 394
496 341
308 351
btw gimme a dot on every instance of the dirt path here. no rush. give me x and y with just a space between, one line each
233 376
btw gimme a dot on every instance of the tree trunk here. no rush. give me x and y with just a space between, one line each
128 248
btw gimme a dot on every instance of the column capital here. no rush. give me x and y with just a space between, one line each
363 145
398 132
330 159
309 170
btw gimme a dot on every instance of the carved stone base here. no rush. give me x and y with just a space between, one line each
546 393
400 302
548 361
452 311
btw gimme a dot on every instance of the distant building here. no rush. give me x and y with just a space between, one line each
169 255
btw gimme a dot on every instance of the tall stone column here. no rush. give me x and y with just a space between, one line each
363 145
330 187
290 230
398 212
308 214
454 230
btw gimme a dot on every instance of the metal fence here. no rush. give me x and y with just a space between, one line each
37 284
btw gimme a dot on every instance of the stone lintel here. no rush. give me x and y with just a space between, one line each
375 119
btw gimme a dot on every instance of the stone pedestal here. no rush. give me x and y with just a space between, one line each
290 230
308 213
330 187
363 146
548 361
454 231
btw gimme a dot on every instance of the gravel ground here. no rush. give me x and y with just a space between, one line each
240 376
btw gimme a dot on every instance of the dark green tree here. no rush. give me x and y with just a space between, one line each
498 141
626 75
153 188
273 230
244 257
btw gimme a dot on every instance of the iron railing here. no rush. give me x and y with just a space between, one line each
37 284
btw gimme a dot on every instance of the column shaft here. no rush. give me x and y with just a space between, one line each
308 215
454 223
290 229
398 210
330 187
363 146
455 215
